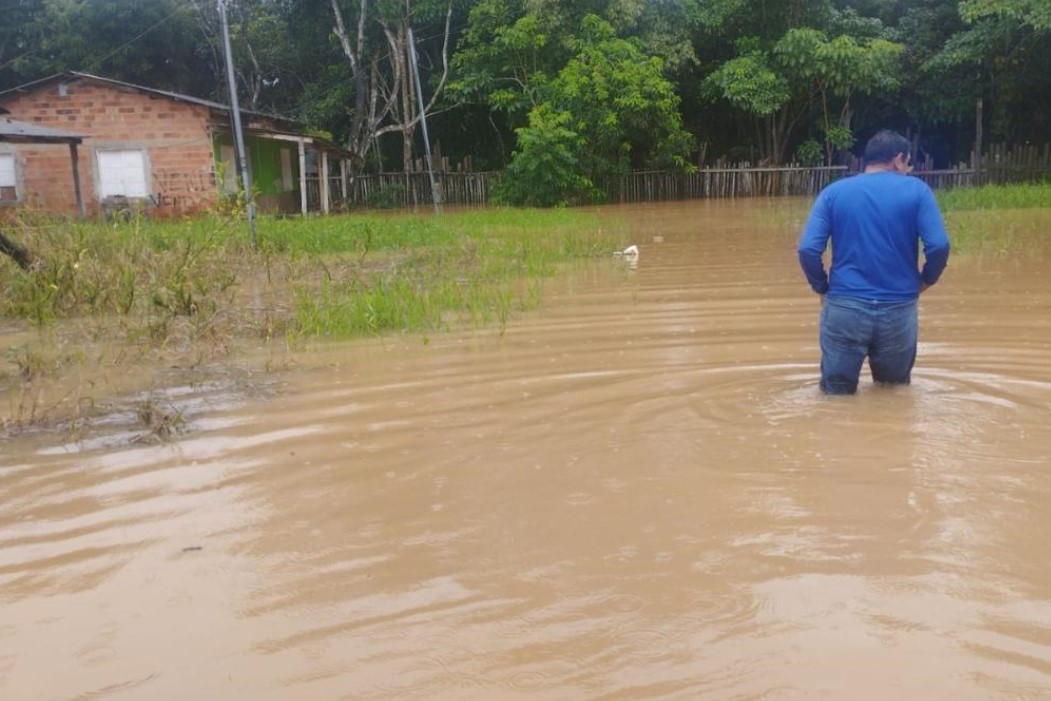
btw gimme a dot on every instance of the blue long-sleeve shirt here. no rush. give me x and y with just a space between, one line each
875 221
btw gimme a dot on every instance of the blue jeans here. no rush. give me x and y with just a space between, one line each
852 329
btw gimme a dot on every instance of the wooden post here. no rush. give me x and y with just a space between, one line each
322 171
978 143
81 214
302 176
343 179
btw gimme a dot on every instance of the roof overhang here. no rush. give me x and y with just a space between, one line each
316 141
72 76
22 132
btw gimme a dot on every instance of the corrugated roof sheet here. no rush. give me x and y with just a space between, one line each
9 128
286 126
77 75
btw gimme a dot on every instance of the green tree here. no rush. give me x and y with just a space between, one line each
19 38
733 40
511 50
149 42
545 171
996 54
609 110
504 66
1035 14
832 71
804 74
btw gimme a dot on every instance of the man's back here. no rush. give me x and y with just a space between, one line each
875 221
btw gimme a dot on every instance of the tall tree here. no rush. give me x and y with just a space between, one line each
994 53
608 111
261 40
150 42
783 81
19 38
374 36
512 49
1035 14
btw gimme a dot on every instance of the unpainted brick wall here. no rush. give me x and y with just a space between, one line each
176 136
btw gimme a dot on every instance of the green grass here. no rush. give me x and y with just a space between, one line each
383 274
336 276
181 294
567 232
998 220
1023 196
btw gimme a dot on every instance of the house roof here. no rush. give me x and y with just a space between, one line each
10 130
286 126
77 75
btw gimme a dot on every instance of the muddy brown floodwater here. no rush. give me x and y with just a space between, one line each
636 493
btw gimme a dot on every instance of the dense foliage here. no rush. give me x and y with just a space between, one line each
560 93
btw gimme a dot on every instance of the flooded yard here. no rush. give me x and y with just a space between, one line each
637 492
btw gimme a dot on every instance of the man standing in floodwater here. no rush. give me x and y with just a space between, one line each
869 299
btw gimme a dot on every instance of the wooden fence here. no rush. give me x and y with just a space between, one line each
1005 164
1000 165
414 189
742 181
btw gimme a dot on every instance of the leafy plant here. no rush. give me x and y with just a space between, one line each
608 111
809 153
390 196
545 171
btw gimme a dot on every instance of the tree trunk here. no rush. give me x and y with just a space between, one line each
408 104
366 76
384 96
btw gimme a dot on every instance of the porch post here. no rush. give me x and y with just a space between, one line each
323 173
343 178
302 176
81 213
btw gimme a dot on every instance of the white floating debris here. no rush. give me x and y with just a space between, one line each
630 254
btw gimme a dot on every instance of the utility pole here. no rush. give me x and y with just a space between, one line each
235 112
437 196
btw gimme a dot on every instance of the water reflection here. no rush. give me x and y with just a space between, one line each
636 493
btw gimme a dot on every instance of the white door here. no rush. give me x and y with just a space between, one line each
122 174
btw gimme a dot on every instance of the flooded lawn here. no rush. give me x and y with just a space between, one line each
636 493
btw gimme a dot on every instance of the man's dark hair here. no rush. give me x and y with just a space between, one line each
884 146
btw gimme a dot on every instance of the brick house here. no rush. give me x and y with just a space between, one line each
166 153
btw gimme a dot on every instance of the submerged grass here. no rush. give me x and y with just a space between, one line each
141 289
180 293
1020 196
998 220
99 270
426 273
402 271
993 220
